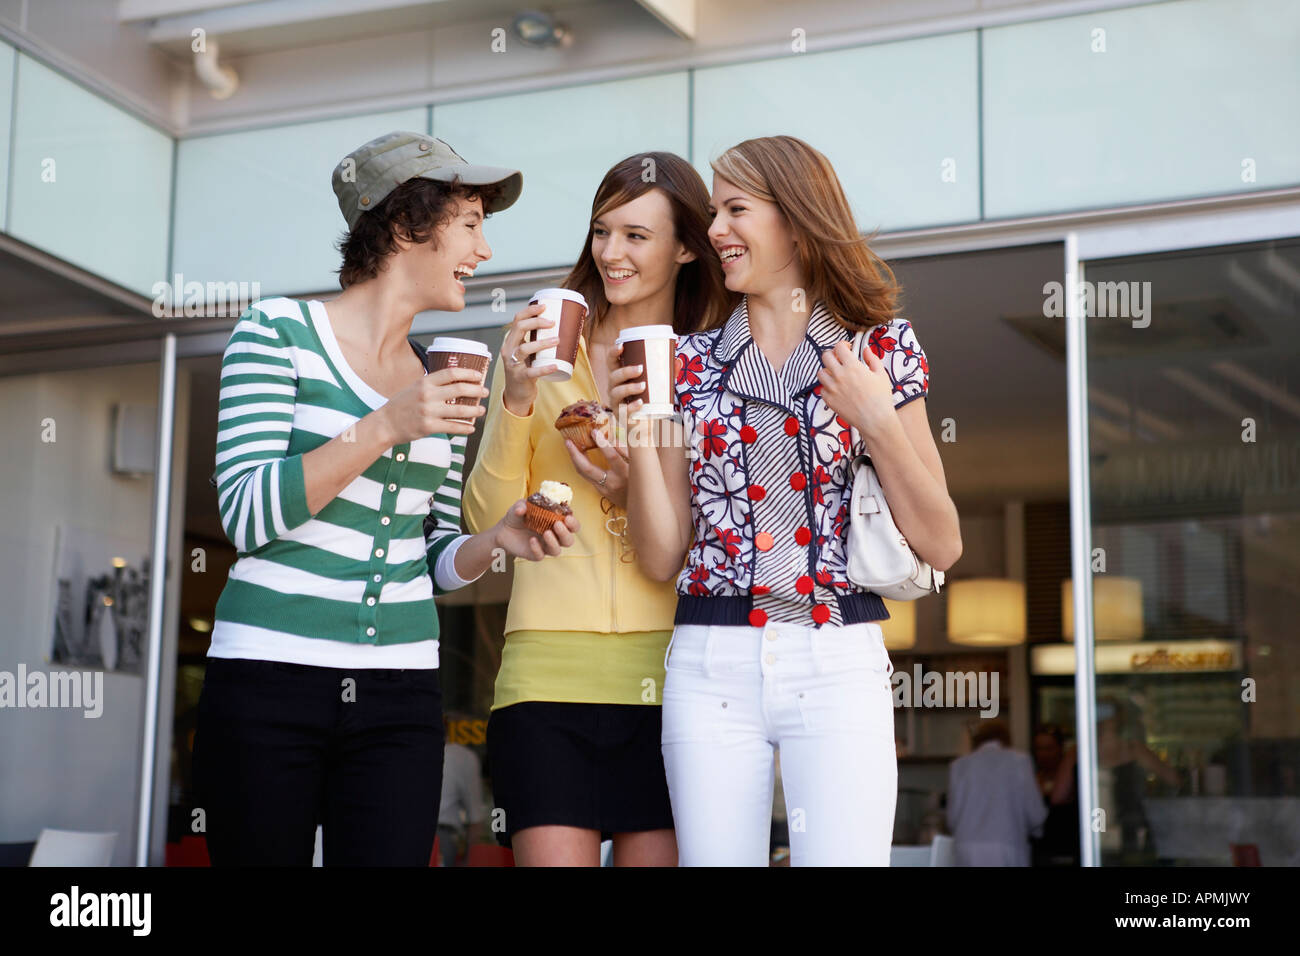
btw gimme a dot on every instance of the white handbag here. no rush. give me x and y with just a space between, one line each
879 557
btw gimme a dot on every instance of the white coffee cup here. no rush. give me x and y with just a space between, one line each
449 352
567 311
655 347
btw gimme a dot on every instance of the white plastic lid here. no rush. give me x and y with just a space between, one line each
445 343
639 332
558 294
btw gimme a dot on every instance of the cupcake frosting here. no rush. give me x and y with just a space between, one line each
556 491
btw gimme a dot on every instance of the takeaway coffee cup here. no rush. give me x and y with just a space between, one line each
655 348
448 352
567 310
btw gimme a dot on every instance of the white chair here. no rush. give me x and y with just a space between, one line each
909 856
938 853
73 848
607 853
318 857
942 852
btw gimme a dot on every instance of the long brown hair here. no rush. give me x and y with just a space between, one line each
702 300
842 272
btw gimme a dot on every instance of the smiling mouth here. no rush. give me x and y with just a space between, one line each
462 272
731 254
619 275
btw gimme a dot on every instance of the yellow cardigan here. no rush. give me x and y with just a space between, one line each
587 587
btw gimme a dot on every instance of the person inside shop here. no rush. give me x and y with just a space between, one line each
994 805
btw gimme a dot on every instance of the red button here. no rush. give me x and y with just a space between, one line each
798 481
792 426
763 541
821 613
760 589
757 492
757 618
748 435
802 537
804 585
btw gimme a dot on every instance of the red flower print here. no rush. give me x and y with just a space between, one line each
880 342
699 575
689 369
714 443
730 541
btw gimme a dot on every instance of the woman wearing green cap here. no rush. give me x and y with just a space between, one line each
338 467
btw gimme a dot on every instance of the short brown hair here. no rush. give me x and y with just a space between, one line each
991 729
701 300
413 211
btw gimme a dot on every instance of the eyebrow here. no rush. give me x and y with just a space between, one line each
597 222
474 213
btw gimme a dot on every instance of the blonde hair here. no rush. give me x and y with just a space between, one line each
842 272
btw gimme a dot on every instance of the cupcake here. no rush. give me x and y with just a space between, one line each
547 506
579 420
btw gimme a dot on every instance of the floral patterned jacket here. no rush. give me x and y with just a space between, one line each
770 475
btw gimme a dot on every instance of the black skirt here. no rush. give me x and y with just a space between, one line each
594 766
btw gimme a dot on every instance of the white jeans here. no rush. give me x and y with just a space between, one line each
823 697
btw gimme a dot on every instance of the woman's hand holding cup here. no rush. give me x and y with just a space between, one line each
427 407
624 392
520 389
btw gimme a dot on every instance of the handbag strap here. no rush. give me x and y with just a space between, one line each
856 444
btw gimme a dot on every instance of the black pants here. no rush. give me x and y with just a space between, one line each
280 748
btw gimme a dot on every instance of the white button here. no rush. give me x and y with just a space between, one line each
770 635
378 578
370 601
379 552
392 487
370 632
401 457
771 658
384 520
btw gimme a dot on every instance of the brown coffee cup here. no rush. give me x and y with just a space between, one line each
448 352
567 310
654 347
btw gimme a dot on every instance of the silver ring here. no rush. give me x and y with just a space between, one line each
603 477
514 357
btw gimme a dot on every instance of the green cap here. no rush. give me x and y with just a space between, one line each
369 173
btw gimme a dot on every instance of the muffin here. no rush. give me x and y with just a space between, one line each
547 506
579 420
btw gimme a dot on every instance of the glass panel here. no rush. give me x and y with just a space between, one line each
1194 421
1135 105
899 121
564 141
92 184
7 56
74 574
257 206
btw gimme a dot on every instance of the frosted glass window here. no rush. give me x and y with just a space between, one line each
6 114
257 206
91 184
899 122
564 141
1158 102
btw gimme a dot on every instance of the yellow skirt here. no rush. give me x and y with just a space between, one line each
582 667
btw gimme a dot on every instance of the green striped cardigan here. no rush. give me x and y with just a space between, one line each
353 585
